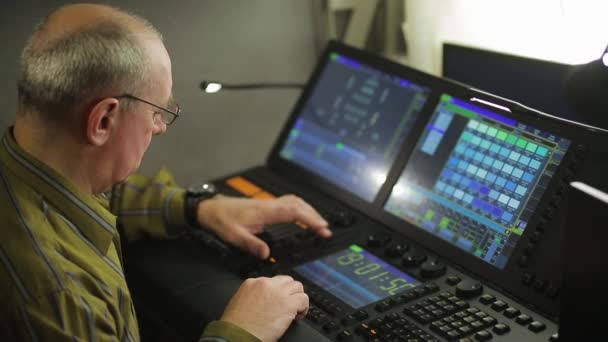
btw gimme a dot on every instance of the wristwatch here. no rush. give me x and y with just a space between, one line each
196 193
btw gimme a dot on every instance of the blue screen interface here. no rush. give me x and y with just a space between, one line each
356 276
352 125
475 178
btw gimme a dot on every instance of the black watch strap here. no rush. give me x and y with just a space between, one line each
191 209
194 195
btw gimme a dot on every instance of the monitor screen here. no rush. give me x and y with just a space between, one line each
475 178
356 276
532 82
353 124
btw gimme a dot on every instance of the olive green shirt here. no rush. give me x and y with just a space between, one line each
61 272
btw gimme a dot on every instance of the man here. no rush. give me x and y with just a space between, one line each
94 87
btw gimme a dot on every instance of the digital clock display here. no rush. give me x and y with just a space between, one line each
356 276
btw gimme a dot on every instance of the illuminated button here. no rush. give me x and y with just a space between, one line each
263 195
446 294
362 329
488 321
469 319
499 305
450 308
465 329
487 299
444 329
461 314
501 329
243 186
452 280
435 299
454 334
383 306
483 335
473 310
536 326
461 304
511 312
523 319
477 325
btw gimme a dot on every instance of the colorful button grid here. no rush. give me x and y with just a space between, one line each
491 171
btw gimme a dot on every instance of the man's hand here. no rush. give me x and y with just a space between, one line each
236 220
265 307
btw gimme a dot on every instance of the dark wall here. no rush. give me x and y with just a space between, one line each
230 40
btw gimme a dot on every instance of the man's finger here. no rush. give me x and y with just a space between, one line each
294 287
291 208
250 243
302 305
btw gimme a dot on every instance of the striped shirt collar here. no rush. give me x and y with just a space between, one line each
89 213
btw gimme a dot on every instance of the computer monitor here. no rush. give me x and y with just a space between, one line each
533 82
475 178
352 124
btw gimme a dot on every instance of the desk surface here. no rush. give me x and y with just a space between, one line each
182 286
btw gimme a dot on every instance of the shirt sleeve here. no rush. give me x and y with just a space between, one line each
150 206
62 316
221 331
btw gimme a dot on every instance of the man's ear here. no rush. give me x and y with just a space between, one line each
101 120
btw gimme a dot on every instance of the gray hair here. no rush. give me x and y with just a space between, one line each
59 77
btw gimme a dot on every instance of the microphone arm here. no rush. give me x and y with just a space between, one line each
214 87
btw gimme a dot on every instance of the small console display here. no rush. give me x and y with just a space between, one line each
356 276
475 178
351 127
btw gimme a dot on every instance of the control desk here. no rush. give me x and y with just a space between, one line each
446 205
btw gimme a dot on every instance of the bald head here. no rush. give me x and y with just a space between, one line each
81 53
71 19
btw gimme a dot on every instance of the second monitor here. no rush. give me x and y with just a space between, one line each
475 178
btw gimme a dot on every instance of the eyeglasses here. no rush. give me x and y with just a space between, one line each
166 115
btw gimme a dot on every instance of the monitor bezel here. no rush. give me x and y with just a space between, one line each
508 279
307 178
